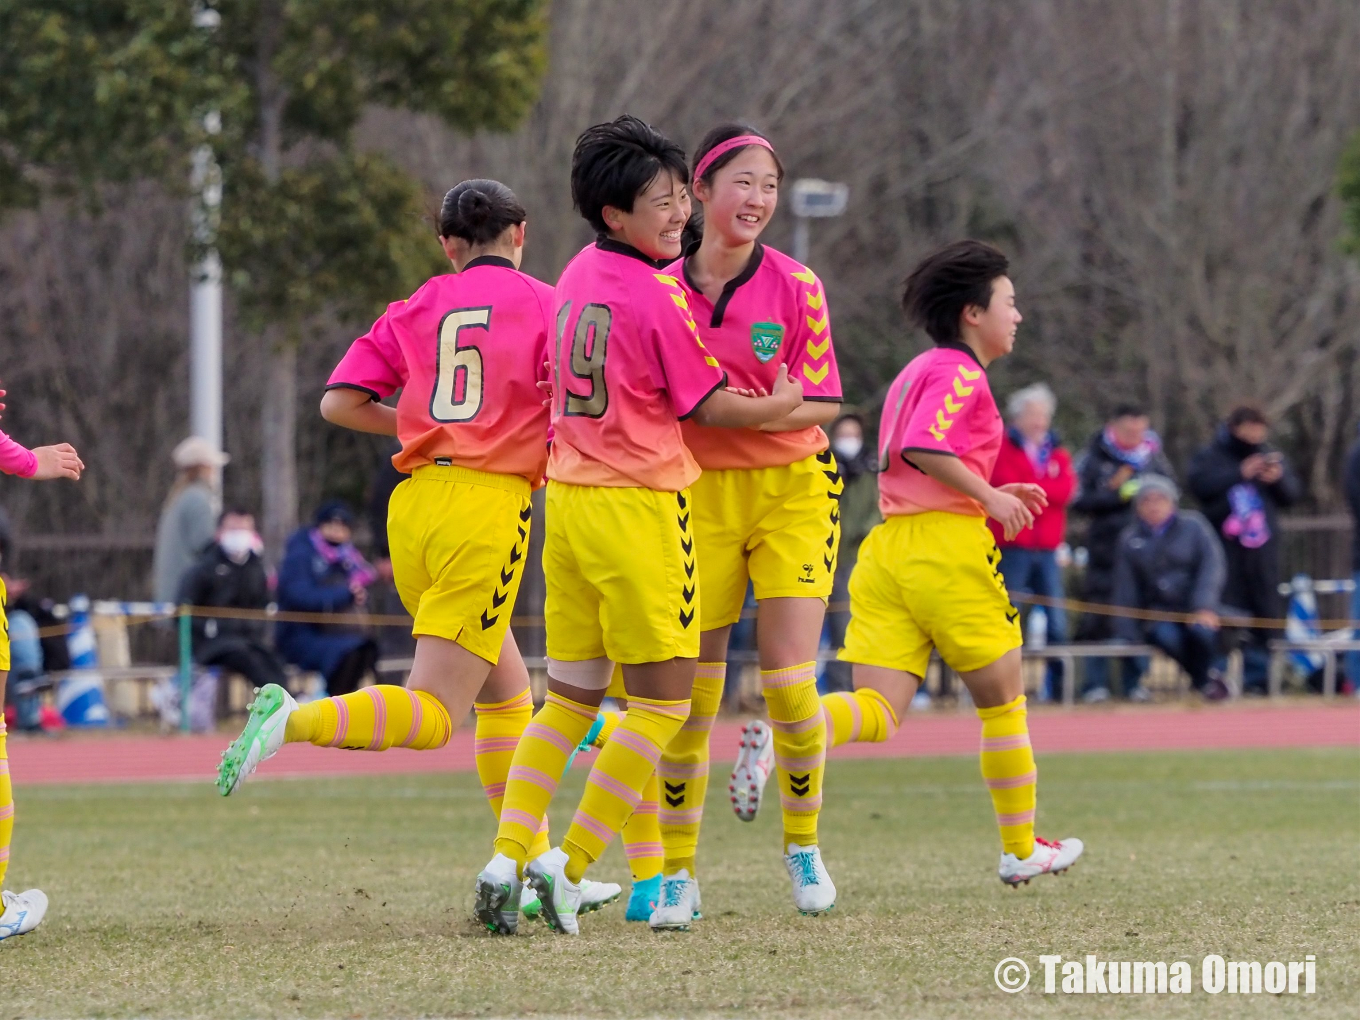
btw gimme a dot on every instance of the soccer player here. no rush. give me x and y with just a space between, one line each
618 552
21 912
929 575
765 508
467 351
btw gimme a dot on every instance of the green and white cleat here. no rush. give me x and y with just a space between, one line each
500 896
261 739
561 898
529 903
595 895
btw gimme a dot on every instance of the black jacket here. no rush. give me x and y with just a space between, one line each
1109 512
1179 571
1352 486
1214 471
215 580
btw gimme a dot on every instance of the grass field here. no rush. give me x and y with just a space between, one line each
312 898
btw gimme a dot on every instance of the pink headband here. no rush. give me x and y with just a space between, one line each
725 147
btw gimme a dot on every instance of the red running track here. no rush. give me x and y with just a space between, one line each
90 758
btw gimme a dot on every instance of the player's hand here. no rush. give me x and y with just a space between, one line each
1033 496
743 392
60 461
546 385
1010 512
2 406
787 388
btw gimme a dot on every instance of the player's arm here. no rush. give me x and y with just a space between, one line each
358 410
805 415
1007 508
724 408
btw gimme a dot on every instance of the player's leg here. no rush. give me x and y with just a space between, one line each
20 913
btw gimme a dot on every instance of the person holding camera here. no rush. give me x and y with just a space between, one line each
1242 483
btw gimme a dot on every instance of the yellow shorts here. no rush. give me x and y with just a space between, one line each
620 570
4 628
459 542
929 579
778 525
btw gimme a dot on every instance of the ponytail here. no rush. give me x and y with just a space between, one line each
478 211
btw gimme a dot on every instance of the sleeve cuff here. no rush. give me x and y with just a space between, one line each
354 386
688 414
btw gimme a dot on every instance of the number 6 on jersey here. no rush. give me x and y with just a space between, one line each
446 405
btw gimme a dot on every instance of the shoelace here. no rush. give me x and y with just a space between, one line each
805 867
1050 845
673 892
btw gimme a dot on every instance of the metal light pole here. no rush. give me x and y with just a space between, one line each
814 199
205 295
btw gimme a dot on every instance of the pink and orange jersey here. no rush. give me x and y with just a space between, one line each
628 366
467 351
16 459
773 313
939 403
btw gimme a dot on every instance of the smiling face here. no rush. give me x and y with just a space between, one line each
990 331
742 196
659 214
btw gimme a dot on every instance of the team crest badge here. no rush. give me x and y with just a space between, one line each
766 339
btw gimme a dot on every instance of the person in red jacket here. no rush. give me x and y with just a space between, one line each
1031 452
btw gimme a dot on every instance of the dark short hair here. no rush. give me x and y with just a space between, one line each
1246 414
334 510
722 133
615 162
848 416
1128 410
478 211
233 511
946 282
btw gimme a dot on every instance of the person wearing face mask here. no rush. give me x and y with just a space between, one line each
859 514
1032 452
322 572
231 575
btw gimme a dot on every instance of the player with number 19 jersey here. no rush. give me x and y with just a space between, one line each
618 554
467 351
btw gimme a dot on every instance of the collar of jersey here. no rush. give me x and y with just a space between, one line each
490 260
959 345
620 248
729 288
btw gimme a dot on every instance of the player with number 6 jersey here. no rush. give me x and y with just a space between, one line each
467 351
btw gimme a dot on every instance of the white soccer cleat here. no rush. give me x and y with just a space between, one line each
755 762
813 891
259 741
595 895
22 912
677 904
1047 859
498 896
560 897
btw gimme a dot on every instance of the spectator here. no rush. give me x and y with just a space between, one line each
1242 484
859 513
231 575
1352 486
1032 452
1168 561
323 573
189 516
1108 472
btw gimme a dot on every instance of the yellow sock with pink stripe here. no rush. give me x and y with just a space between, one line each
499 727
799 747
372 719
683 770
1009 772
536 769
614 788
6 806
862 716
641 835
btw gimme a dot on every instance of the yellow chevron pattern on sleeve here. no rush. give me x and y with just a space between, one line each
815 351
818 326
962 390
680 301
669 281
945 424
969 375
816 376
939 436
950 405
711 360
807 276
815 300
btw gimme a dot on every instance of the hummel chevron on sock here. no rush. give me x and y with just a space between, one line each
1010 774
799 747
535 771
862 716
614 787
373 719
